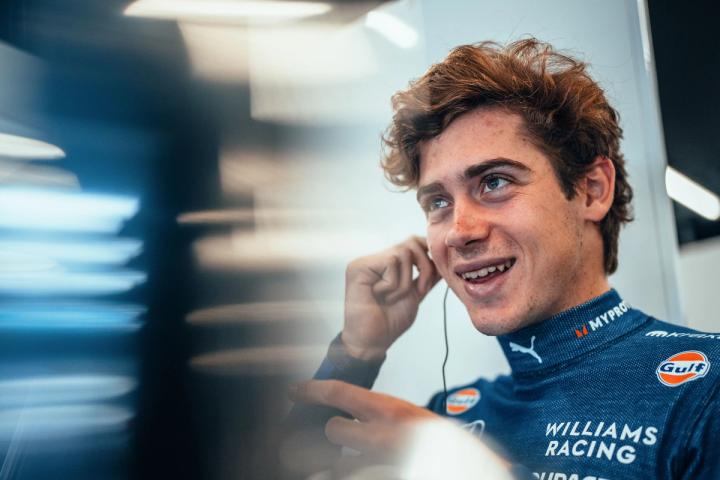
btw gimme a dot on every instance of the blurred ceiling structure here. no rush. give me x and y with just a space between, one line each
688 67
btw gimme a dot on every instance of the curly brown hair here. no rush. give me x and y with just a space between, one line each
565 114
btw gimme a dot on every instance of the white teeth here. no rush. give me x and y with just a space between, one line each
483 272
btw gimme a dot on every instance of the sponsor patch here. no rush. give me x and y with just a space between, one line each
683 367
603 319
462 400
664 334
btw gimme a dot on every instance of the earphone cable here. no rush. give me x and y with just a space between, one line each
447 347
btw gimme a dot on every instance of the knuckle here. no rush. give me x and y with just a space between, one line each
354 267
331 390
397 411
351 267
394 259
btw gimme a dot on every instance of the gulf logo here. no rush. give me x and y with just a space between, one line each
462 400
683 367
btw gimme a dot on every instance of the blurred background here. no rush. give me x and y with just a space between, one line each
183 181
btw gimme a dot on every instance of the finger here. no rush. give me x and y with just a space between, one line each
430 283
357 401
406 275
350 433
428 275
389 276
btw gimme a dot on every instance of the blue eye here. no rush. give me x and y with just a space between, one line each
437 203
492 183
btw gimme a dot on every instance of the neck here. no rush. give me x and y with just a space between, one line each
569 334
590 278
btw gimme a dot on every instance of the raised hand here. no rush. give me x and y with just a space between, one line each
382 297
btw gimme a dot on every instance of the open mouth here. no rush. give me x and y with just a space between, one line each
487 272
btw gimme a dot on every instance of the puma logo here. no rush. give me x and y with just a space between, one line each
529 350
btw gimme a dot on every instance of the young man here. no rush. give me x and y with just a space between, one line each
514 153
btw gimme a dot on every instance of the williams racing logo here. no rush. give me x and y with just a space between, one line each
610 441
683 367
462 400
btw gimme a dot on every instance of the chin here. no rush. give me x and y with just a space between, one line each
494 325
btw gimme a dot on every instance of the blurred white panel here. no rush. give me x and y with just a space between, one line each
18 262
392 28
262 216
60 282
287 311
217 217
259 360
62 390
243 171
16 146
217 53
53 423
22 173
691 194
302 74
310 55
114 251
279 250
305 190
226 11
70 316
52 209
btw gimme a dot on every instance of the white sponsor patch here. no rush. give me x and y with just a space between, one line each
664 334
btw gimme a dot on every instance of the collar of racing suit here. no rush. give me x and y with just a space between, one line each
570 334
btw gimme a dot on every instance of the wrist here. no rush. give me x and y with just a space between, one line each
359 352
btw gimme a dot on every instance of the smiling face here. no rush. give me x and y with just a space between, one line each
500 230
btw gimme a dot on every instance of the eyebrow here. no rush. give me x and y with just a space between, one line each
474 171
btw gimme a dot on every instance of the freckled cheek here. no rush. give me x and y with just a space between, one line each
438 250
524 230
542 238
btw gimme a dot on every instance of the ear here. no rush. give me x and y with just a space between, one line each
598 189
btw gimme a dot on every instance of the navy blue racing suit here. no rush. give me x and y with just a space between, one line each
600 391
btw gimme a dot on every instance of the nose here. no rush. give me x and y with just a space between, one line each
469 228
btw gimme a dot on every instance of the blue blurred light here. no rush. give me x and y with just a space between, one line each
11 262
106 252
59 282
63 389
62 421
71 316
52 209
